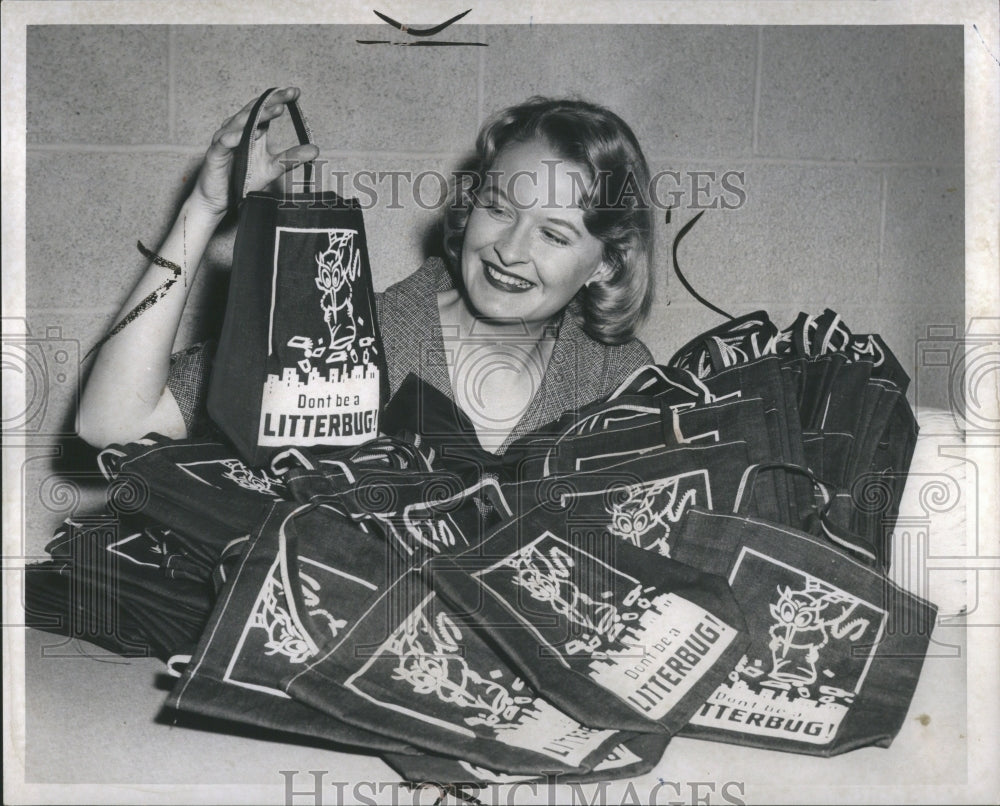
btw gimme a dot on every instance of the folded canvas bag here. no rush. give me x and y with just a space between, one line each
199 489
636 755
613 635
418 511
120 583
835 647
408 667
638 500
256 638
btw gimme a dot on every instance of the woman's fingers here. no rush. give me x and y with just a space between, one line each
238 122
274 165
230 139
278 97
275 107
296 155
264 167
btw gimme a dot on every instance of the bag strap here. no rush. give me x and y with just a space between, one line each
578 427
240 177
292 458
660 378
843 538
288 573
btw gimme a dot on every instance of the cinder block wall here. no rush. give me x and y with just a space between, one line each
848 142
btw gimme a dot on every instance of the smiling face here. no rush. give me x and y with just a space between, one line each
526 250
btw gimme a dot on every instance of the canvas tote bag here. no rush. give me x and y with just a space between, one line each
409 668
255 637
300 359
613 635
835 647
199 489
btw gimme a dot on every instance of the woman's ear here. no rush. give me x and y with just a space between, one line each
601 274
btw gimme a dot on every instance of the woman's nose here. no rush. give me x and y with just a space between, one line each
512 244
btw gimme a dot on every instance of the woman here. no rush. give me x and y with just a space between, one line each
549 253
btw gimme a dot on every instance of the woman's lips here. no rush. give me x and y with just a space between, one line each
504 281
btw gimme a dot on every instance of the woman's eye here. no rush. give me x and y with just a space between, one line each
555 237
497 211
493 207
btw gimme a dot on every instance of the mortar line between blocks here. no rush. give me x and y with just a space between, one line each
883 207
759 71
171 84
481 79
99 148
175 148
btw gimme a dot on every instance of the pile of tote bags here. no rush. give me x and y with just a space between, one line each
702 554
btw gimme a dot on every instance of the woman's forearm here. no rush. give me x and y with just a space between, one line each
125 395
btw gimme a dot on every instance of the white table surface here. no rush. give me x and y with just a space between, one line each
92 734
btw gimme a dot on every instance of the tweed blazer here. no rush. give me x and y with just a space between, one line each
579 371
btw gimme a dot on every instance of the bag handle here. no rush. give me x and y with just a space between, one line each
662 377
292 458
703 355
288 573
577 427
239 180
843 538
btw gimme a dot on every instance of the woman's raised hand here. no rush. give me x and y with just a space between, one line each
212 189
126 394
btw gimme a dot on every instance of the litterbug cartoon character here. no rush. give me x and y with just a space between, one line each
805 620
242 475
336 269
638 513
547 578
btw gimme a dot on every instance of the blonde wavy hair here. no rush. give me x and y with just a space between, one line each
616 210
